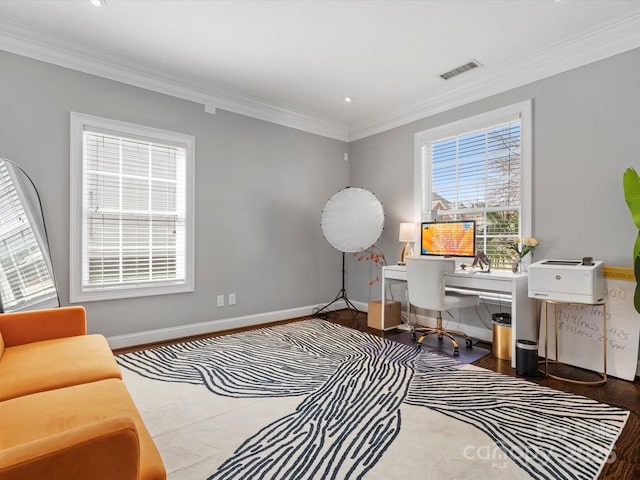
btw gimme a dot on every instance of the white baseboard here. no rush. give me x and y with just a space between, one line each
166 334
181 331
362 306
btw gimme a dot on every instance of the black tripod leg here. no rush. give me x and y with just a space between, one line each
342 295
352 307
319 313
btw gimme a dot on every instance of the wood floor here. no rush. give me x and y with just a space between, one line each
625 459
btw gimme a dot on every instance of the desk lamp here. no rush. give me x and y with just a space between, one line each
407 235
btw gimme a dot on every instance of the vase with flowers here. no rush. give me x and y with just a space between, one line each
521 249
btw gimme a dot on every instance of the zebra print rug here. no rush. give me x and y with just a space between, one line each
314 400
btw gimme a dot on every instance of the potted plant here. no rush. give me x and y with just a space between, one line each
521 249
631 185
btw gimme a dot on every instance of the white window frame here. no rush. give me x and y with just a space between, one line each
422 177
77 293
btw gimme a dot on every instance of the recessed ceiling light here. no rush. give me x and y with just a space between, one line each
347 99
98 3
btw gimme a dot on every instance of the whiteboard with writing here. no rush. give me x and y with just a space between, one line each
580 332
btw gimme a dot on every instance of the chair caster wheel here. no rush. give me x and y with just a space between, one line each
456 353
419 346
469 343
413 336
440 337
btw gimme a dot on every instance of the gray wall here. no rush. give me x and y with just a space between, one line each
260 190
261 187
586 129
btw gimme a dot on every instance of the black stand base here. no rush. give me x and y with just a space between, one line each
324 312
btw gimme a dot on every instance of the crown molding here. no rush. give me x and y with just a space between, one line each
611 39
65 52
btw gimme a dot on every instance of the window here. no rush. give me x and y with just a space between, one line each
479 169
25 279
131 210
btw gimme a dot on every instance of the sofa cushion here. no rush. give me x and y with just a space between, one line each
33 417
49 364
1 346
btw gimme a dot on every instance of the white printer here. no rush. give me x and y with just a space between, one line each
571 281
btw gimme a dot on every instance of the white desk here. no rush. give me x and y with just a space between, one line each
524 321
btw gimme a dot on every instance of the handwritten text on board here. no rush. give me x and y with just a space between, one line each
580 332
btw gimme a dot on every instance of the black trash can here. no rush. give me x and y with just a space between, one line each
527 358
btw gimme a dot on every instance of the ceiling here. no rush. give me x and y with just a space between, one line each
293 62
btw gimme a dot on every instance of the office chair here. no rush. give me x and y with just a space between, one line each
425 282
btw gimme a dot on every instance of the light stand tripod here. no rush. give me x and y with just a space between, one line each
342 295
352 220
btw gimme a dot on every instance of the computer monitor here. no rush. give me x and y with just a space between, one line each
450 239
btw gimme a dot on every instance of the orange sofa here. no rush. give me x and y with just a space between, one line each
64 410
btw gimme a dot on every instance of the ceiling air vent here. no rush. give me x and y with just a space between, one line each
461 69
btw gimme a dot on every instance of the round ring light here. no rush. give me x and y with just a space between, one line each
352 220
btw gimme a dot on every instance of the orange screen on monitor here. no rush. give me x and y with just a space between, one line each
456 239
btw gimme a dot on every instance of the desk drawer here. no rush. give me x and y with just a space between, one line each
390 274
478 282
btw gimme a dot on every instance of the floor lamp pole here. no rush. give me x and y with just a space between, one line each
342 295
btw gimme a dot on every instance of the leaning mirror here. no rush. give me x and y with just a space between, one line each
26 272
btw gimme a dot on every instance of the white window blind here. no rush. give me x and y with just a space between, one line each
478 170
25 281
135 228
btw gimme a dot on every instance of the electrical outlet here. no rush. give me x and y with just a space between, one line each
221 300
232 299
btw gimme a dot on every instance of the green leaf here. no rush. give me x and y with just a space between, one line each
636 295
636 248
631 185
